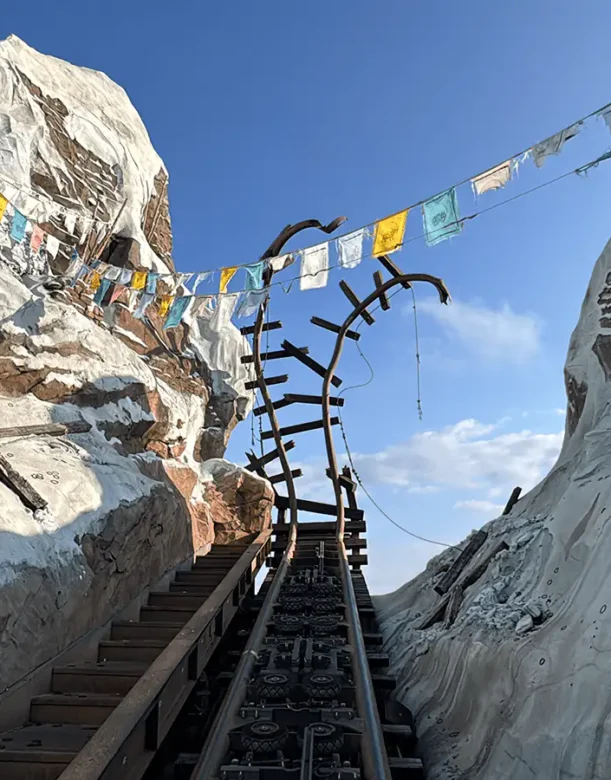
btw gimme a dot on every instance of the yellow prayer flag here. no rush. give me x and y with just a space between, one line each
3 205
226 276
95 280
164 305
139 280
389 234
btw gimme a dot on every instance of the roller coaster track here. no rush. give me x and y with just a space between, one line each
217 683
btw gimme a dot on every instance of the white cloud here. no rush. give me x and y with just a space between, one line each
474 505
499 334
467 455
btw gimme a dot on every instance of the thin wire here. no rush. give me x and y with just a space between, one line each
419 401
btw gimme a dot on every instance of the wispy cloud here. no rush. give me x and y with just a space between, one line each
475 505
493 334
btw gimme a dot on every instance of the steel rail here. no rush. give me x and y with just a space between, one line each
126 742
375 759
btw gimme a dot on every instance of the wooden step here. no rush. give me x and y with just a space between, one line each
373 639
309 362
88 709
320 527
132 629
319 507
164 598
130 650
105 677
406 768
202 589
347 290
351 334
378 660
197 574
41 752
180 615
248 330
269 381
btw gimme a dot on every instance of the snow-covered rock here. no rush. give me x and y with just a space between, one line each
146 486
490 704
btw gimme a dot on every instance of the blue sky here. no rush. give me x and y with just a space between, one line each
271 112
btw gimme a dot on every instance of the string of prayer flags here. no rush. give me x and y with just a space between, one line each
52 245
441 217
151 283
145 301
139 280
314 267
18 226
554 144
101 291
226 276
350 248
176 311
254 276
225 307
389 232
250 302
36 239
493 179
164 304
3 205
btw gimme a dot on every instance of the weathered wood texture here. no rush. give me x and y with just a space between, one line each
345 288
453 573
30 497
350 334
46 429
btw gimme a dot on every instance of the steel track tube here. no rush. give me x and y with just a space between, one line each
375 759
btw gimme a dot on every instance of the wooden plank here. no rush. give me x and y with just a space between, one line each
289 430
321 528
309 362
319 508
276 478
252 460
300 398
454 603
344 481
513 500
271 380
378 280
392 269
345 288
30 497
269 457
453 573
46 429
350 334
275 355
259 410
248 330
351 543
467 578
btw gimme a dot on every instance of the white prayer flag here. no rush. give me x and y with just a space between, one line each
70 222
350 248
493 179
553 144
314 267
52 245
281 262
113 272
225 306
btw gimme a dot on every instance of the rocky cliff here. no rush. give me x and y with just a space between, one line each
146 486
519 684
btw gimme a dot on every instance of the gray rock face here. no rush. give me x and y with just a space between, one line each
491 703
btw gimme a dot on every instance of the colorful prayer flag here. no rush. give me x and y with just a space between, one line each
3 205
250 302
76 264
70 223
18 226
226 276
314 267
553 144
201 277
177 309
37 236
116 292
203 307
151 283
101 291
125 277
606 115
94 281
281 262
389 232
139 280
441 217
145 301
350 248
493 179
254 276
164 304
52 245
113 272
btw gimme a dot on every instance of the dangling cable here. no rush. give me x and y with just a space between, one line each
419 401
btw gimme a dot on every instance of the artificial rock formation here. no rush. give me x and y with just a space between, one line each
519 686
138 493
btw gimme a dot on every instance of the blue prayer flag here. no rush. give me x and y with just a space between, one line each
18 226
145 301
250 302
101 291
151 283
177 309
441 217
254 276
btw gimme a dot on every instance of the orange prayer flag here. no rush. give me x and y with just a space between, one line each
164 304
226 276
389 234
139 280
94 281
